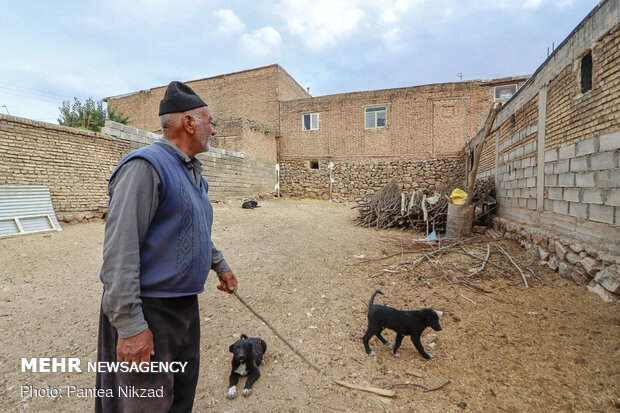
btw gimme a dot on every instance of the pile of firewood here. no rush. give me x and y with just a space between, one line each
420 210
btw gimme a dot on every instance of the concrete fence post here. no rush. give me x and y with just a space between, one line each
542 118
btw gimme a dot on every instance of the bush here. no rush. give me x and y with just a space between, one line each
90 116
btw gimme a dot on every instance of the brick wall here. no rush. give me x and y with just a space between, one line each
356 181
487 159
247 137
590 113
250 94
75 164
288 88
555 155
423 122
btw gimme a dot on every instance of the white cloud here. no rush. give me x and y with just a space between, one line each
229 22
387 17
393 40
321 23
262 42
532 4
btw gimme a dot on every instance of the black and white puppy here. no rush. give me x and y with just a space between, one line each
404 323
247 356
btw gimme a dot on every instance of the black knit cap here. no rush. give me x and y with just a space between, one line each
179 98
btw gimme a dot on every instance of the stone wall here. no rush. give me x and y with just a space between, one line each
555 156
356 182
572 258
75 164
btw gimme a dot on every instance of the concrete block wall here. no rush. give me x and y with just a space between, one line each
229 174
357 182
75 164
583 179
557 157
129 133
517 169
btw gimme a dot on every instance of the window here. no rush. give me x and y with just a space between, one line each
310 121
586 73
375 117
314 164
503 93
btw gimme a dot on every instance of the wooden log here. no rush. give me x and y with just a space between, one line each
513 263
478 145
381 392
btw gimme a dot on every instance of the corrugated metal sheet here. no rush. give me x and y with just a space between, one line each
26 209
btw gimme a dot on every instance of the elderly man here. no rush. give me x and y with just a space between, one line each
156 256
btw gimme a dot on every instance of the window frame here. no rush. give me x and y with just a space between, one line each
504 99
303 123
366 111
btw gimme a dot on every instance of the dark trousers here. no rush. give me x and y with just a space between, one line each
175 324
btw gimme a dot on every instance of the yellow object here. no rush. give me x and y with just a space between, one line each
458 196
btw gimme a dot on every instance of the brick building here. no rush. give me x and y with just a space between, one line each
413 123
555 155
266 115
250 94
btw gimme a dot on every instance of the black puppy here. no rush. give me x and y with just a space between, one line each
247 356
250 205
404 323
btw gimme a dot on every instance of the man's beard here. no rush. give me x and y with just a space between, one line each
206 143
205 140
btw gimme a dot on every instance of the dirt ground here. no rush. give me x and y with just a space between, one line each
551 347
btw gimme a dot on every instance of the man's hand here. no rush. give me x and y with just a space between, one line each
138 348
228 282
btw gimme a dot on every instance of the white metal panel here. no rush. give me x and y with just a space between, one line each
26 209
8 227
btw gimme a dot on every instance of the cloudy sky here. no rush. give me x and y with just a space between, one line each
51 51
